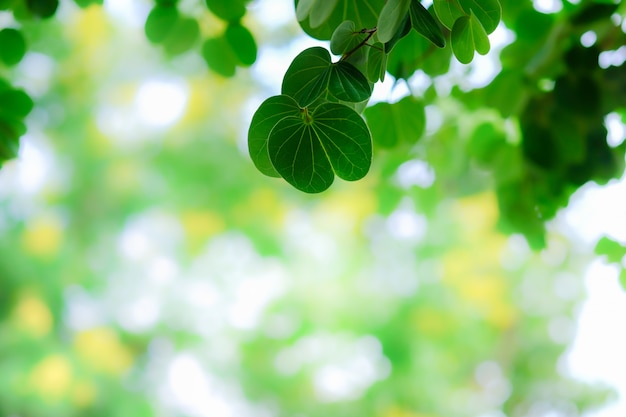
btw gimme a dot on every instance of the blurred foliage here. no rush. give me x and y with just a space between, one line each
148 270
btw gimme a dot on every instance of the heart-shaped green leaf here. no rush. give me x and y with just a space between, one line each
308 150
12 46
307 76
448 11
488 12
345 38
269 113
424 23
321 11
468 36
242 43
391 17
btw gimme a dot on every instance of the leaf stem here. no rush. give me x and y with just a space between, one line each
370 33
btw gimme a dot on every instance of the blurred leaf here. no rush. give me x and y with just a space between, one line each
242 43
424 23
392 124
614 251
12 46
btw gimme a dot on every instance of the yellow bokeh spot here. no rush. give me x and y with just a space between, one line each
32 315
42 237
200 225
477 213
83 394
102 350
90 32
51 378
123 176
396 411
432 323
351 206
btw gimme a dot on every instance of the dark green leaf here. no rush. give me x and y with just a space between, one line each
269 113
424 23
160 22
307 150
303 9
12 46
348 83
307 76
391 18
43 8
15 103
403 30
242 43
468 36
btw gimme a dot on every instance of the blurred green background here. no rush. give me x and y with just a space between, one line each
148 269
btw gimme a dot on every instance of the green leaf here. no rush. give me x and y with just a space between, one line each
43 8
448 11
391 18
321 11
83 4
392 124
182 37
307 76
269 113
364 14
242 43
15 103
160 22
307 151
345 38
219 56
424 23
614 251
12 46
403 30
377 63
488 12
230 11
622 278
468 36
348 83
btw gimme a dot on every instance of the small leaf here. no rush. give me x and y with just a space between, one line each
377 63
15 103
182 37
488 12
622 278
307 76
613 250
242 43
160 22
448 11
320 13
468 36
219 56
307 151
345 38
269 113
43 8
12 46
424 23
230 11
348 83
391 18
